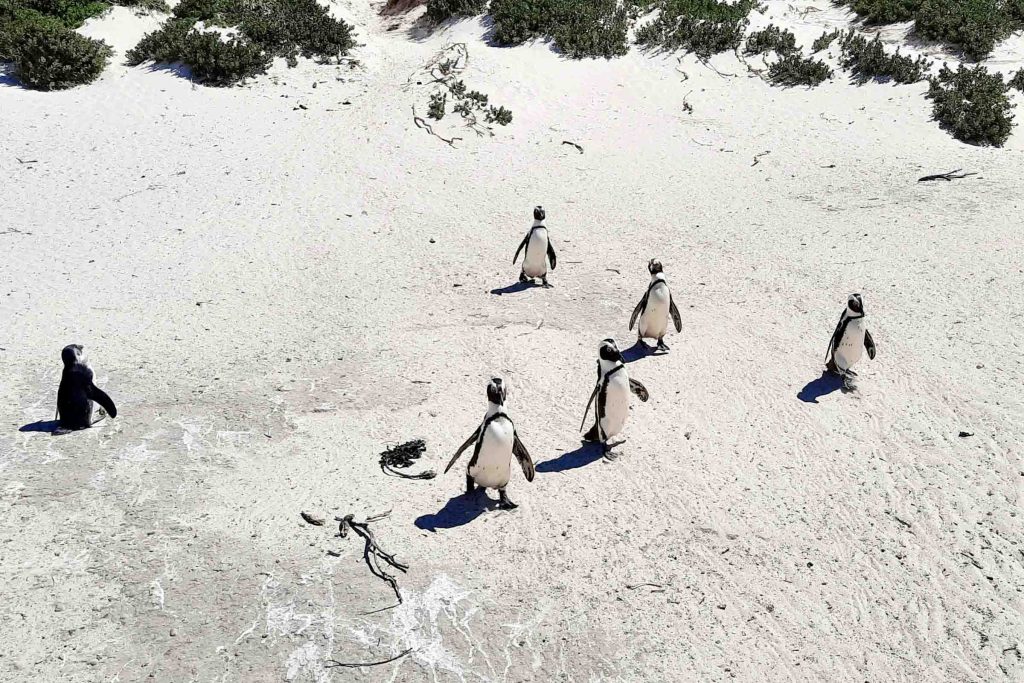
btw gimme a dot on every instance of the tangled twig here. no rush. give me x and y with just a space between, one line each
420 123
402 456
333 663
757 157
372 552
952 175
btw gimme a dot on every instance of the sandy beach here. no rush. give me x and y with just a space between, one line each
273 294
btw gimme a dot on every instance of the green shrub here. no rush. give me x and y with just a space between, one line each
283 27
206 10
1017 82
48 59
435 110
885 11
217 62
16 21
166 45
442 10
975 25
499 115
72 13
823 41
704 27
972 105
868 60
771 39
579 28
795 69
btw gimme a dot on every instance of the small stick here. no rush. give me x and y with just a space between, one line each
26 161
332 663
420 123
569 142
641 585
952 175
757 157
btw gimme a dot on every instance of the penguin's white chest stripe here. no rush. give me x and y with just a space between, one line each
493 466
654 321
616 404
850 348
535 264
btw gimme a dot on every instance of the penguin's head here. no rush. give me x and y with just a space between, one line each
72 354
496 391
855 303
609 351
538 213
654 266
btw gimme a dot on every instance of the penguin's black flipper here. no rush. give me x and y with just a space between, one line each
836 336
676 318
469 442
98 395
639 389
592 397
522 245
869 344
523 456
551 255
638 311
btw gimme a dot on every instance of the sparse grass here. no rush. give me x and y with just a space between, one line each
703 27
771 39
972 105
868 60
269 28
795 69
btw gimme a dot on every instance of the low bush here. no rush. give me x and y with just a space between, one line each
442 10
823 41
704 27
885 11
48 59
771 39
795 69
579 28
974 25
972 105
166 45
868 60
218 62
284 27
1017 82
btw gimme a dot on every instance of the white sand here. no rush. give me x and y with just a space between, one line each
167 543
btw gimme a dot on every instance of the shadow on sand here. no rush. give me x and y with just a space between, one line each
48 426
515 289
581 457
458 511
640 350
822 386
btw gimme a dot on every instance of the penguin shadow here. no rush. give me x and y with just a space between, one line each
47 426
638 351
516 288
581 457
458 511
821 386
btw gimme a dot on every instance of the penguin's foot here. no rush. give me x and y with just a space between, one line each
101 414
851 373
470 485
503 502
544 283
523 278
662 346
848 385
61 431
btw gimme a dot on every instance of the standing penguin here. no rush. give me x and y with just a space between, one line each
496 442
612 393
538 250
849 341
655 308
77 393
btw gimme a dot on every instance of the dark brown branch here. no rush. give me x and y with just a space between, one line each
333 663
372 552
569 142
952 175
420 123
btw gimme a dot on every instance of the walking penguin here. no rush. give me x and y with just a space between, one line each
612 393
76 393
538 250
496 441
655 308
849 341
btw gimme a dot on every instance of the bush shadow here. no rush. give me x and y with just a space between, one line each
458 511
821 386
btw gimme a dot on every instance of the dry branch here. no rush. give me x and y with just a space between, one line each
372 552
952 175
332 663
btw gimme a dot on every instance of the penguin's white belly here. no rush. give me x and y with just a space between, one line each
654 319
493 466
616 404
850 348
535 264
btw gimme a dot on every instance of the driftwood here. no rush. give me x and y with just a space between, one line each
402 456
372 552
952 175
310 518
420 123
569 142
333 663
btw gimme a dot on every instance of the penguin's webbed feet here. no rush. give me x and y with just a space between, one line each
503 501
662 346
544 283
523 278
470 485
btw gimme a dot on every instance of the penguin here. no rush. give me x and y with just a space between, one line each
849 340
538 250
76 393
612 393
655 308
496 441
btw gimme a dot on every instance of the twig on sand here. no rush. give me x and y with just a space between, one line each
372 552
757 157
569 142
312 519
332 663
402 456
720 73
634 586
952 175
145 189
420 123
902 521
26 161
